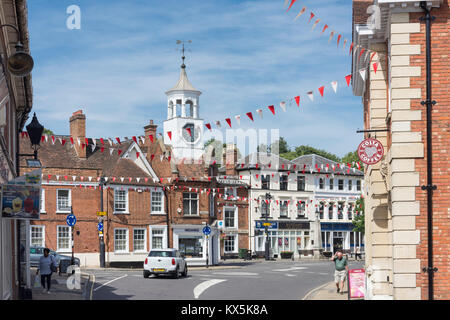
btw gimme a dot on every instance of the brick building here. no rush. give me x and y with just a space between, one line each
16 99
397 219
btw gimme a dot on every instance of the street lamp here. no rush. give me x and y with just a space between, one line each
20 63
267 247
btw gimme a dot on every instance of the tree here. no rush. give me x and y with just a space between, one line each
280 146
352 157
48 132
359 220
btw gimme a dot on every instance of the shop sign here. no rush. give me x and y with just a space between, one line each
324 226
21 197
370 151
356 283
293 225
260 225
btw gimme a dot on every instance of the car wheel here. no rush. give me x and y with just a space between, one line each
176 275
146 274
185 271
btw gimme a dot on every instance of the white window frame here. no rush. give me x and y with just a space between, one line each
42 202
190 199
343 185
164 235
358 182
42 227
323 184
331 184
162 211
58 249
126 201
349 185
70 201
127 245
235 217
236 243
233 192
144 239
281 202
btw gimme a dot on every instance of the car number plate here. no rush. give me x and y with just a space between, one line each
159 270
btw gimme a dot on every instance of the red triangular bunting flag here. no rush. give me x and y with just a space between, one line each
151 138
272 109
189 131
249 114
63 142
102 149
324 28
375 67
321 90
118 140
310 18
297 100
134 139
119 151
348 78
208 126
169 133
228 120
292 2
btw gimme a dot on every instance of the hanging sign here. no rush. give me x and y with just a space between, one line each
370 151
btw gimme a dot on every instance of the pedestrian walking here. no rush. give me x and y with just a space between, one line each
46 267
357 253
340 272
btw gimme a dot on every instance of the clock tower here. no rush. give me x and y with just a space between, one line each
183 120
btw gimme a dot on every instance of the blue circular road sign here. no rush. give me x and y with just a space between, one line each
100 226
206 230
71 220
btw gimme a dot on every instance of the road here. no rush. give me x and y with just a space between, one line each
267 280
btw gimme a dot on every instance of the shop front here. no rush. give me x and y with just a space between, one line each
196 247
287 238
340 236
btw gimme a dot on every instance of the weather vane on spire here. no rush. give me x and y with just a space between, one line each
182 49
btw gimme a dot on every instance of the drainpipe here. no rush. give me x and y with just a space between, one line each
429 187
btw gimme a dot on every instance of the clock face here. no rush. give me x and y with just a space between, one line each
190 133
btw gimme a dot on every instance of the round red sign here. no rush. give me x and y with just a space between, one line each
370 151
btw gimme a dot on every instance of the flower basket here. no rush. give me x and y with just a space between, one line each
286 254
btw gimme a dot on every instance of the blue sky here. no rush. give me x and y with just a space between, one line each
244 55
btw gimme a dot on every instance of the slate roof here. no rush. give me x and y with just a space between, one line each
311 160
183 83
263 159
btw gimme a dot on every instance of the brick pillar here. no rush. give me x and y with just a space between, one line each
78 131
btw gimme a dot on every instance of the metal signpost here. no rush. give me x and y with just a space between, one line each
207 231
71 221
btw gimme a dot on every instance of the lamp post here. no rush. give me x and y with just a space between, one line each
267 247
20 63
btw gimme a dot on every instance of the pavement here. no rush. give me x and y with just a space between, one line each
327 292
59 289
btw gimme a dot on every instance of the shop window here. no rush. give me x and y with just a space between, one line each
190 203
191 247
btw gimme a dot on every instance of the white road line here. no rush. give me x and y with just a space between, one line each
237 273
110 282
289 275
198 290
290 269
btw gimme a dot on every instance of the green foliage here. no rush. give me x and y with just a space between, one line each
280 146
352 157
48 132
359 220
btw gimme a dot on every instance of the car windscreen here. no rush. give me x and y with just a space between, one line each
161 254
36 251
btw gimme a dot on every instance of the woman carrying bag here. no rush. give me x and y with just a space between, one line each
46 266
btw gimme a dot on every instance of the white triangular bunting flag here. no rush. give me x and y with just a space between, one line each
362 72
57 177
111 152
259 111
334 84
78 141
121 179
74 177
311 95
283 105
161 157
238 119
90 178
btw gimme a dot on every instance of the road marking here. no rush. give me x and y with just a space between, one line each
110 282
198 290
237 273
290 269
289 275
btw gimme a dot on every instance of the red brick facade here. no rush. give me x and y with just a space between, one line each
440 70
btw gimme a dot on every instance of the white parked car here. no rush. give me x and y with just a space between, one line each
166 262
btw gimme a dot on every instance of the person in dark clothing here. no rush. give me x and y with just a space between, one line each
46 264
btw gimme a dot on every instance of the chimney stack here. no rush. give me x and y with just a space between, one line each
78 131
231 157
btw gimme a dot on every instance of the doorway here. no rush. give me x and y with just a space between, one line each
337 244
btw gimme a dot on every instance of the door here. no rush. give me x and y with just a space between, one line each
337 244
